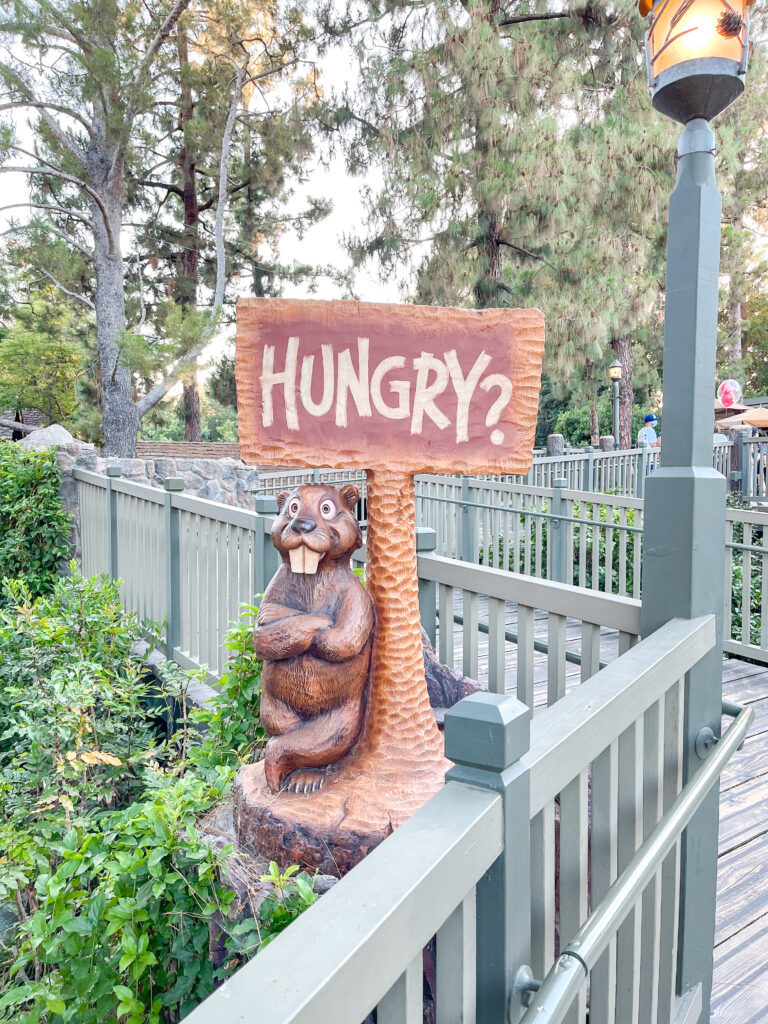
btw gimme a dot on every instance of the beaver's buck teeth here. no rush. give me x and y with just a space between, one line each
304 560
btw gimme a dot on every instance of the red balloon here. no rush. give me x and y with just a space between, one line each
727 397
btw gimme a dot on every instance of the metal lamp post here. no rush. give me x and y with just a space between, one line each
696 58
614 372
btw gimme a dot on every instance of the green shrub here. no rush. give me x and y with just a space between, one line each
235 733
34 529
114 888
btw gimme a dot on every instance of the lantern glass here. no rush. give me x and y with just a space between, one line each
689 29
614 370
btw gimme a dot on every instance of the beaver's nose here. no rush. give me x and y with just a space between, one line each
303 525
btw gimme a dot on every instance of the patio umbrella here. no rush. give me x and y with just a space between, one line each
756 417
732 421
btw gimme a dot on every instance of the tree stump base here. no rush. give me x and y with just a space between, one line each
363 800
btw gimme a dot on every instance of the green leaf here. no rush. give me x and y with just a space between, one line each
79 925
55 1005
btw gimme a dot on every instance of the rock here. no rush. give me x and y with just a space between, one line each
65 461
207 468
54 436
192 482
88 459
164 468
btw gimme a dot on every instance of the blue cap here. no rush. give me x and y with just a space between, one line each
650 418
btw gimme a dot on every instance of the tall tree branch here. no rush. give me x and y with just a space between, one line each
173 15
226 141
159 391
161 184
75 295
520 18
75 214
51 172
68 111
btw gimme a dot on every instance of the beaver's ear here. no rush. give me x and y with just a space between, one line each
281 499
349 496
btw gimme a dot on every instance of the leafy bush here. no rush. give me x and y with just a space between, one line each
113 887
34 529
573 424
237 737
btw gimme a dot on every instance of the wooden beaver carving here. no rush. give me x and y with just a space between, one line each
314 634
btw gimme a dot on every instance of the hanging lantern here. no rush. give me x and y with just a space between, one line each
696 55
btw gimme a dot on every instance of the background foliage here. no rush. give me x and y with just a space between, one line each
103 779
34 529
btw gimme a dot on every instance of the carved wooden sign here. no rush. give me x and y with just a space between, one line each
415 388
394 390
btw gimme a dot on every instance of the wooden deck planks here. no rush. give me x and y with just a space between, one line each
740 983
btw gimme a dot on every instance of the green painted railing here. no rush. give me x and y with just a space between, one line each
597 773
590 540
479 870
193 562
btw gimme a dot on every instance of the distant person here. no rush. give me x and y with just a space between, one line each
719 437
647 434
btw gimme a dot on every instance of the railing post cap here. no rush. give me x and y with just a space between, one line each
114 470
560 482
266 504
487 730
426 538
173 483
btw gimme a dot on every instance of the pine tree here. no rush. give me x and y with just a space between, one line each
97 62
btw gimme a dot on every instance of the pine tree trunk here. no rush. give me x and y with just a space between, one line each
118 412
490 263
191 405
258 275
189 257
623 349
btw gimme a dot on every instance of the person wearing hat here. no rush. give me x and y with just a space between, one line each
647 433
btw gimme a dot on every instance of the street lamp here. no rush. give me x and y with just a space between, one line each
614 372
696 54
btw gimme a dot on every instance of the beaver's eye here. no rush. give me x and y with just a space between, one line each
327 509
294 506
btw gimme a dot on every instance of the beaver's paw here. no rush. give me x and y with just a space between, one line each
304 780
